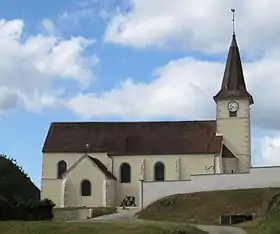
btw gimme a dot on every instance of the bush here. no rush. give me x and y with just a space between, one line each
26 210
6 209
15 185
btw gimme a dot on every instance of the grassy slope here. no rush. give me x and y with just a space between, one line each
206 207
93 228
269 224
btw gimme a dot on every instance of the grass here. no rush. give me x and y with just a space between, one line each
206 207
268 224
94 228
251 227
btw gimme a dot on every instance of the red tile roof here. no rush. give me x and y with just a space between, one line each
134 138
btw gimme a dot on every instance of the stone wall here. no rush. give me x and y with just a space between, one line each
75 213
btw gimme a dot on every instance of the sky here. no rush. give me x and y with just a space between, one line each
92 60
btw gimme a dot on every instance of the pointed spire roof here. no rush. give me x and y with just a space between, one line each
233 84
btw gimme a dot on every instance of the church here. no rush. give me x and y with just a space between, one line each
94 164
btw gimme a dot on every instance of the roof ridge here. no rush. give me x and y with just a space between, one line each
131 122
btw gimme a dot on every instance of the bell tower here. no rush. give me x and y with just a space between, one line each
233 108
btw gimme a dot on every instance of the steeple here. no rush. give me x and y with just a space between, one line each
233 84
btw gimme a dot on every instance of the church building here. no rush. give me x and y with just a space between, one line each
100 163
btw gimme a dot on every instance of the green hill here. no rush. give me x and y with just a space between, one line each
15 185
206 207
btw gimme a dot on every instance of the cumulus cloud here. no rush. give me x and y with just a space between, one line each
30 65
179 89
195 24
269 150
184 89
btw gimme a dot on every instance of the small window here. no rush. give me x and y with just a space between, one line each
125 173
159 171
61 168
233 114
86 188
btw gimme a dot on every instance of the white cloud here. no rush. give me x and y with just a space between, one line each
184 89
8 99
269 150
30 65
179 89
196 24
49 27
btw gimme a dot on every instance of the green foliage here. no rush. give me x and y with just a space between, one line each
270 224
26 210
15 185
19 197
6 209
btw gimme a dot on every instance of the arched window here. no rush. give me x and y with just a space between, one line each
125 173
86 188
159 171
61 168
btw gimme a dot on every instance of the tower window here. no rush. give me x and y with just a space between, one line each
233 114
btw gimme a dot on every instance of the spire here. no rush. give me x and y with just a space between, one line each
233 84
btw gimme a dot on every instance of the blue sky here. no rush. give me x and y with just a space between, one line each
167 59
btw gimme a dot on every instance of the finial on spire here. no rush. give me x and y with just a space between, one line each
233 21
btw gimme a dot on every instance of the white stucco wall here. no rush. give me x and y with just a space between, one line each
111 191
50 161
85 170
257 178
189 164
51 189
236 131
230 165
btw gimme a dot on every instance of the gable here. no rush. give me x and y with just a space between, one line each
94 162
134 138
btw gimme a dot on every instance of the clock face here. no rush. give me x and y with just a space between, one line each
233 106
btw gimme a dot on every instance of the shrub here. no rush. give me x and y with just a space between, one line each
6 209
26 210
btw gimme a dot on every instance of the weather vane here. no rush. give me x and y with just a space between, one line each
233 21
